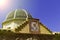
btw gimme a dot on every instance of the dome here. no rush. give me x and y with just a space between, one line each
18 14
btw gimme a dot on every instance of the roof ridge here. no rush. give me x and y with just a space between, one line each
46 27
22 25
15 13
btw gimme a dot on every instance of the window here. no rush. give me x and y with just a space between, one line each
9 28
17 38
29 39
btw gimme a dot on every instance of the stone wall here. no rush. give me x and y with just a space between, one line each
9 35
18 36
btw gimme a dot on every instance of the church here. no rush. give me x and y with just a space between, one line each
20 25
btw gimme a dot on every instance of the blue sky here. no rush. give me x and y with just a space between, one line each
48 11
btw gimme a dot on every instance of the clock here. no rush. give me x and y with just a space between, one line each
34 26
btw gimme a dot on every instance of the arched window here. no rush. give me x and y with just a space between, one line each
17 38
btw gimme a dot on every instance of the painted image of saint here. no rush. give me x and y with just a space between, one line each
34 26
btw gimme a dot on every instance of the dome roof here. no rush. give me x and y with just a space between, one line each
18 14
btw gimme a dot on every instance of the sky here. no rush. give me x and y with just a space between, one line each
47 11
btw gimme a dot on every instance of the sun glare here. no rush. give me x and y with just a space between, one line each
3 4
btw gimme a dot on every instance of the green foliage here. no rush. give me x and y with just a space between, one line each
5 32
57 37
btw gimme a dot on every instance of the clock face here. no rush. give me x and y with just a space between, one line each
34 26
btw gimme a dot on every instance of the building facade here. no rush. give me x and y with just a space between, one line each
20 25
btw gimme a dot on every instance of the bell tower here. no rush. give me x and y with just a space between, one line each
15 18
